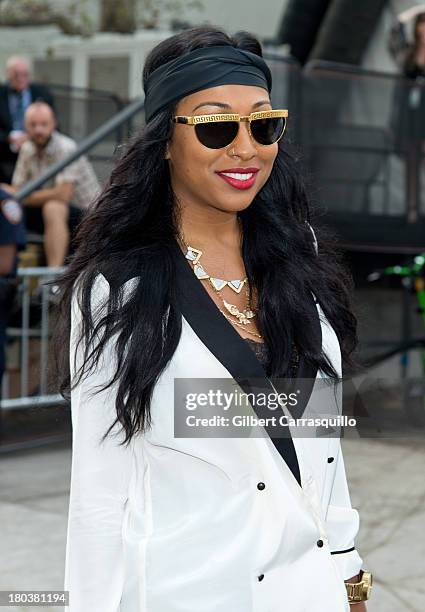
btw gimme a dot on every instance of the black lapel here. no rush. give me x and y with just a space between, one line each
218 334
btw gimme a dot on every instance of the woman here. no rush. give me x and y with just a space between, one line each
197 249
410 56
409 101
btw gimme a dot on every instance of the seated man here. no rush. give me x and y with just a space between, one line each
12 240
56 209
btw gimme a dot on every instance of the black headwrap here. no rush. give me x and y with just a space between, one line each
200 69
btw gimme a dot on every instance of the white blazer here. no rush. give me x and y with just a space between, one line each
174 524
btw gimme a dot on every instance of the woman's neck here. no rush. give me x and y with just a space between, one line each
207 228
218 235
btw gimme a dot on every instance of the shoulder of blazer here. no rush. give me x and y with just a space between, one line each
102 285
101 290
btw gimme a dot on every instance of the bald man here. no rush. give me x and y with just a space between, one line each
15 97
56 209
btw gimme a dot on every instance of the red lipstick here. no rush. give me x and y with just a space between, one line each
236 177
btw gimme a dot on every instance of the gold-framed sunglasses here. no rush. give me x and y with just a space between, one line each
220 130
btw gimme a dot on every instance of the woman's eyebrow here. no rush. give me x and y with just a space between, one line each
224 105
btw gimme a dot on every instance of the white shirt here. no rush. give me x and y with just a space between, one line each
174 524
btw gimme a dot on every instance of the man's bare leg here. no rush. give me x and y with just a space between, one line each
56 233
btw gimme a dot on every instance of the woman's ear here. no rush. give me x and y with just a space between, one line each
167 152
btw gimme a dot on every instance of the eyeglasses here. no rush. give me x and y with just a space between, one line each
219 131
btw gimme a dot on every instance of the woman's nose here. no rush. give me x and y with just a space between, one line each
244 145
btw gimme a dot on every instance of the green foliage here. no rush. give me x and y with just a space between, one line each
72 18
118 16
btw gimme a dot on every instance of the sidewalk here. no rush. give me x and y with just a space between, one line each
387 487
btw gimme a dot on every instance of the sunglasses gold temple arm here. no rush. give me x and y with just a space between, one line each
181 119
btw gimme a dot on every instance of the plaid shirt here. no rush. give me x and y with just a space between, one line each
31 163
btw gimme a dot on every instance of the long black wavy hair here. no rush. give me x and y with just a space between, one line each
129 230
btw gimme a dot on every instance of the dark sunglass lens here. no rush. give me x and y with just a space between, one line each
268 131
217 134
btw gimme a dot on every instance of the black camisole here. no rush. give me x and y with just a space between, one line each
262 353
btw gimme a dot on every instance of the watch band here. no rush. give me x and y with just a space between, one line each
359 591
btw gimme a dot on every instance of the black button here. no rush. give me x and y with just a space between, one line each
330 459
320 543
261 486
260 577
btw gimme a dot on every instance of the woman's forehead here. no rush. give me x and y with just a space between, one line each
225 96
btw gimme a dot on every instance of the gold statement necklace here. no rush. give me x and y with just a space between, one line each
243 317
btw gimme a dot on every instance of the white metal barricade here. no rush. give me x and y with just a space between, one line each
32 286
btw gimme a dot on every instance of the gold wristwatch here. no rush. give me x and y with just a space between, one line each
359 591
